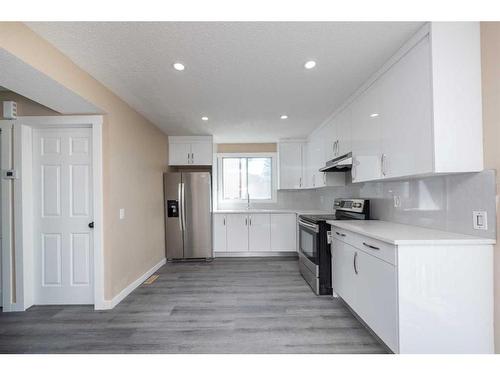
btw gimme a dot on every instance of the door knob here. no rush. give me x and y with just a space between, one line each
91 225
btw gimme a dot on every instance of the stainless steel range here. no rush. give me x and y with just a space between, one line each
314 252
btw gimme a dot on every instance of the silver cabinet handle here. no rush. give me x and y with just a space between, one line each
371 246
189 158
192 158
383 164
300 181
246 221
355 263
353 168
250 220
337 148
224 220
340 234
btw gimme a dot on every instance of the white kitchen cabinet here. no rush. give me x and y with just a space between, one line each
421 115
330 139
254 233
202 153
219 230
366 130
343 273
185 150
259 232
291 164
411 291
377 297
283 232
343 131
406 115
315 160
179 153
237 232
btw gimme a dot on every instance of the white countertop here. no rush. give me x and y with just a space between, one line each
272 211
401 234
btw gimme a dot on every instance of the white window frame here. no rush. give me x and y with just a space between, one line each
242 202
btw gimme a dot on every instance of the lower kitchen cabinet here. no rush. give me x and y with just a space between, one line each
259 232
254 233
415 296
219 230
283 232
237 232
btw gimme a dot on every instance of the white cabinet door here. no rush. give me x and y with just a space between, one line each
330 139
259 232
219 232
366 136
343 125
344 277
406 114
377 297
290 163
237 232
283 232
202 153
178 153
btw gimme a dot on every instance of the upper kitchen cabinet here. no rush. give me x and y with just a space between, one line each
366 130
338 135
291 154
421 114
195 150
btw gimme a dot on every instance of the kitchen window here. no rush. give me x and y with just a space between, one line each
243 175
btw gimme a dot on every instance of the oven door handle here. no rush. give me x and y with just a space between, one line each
309 226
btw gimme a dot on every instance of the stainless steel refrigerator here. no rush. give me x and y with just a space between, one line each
188 215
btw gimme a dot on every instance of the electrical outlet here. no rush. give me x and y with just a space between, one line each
122 213
397 201
480 220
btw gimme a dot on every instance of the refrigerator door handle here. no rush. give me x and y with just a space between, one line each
179 199
183 208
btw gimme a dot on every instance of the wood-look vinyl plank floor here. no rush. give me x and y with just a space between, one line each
242 305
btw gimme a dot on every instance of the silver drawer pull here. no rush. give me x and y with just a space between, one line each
371 246
340 234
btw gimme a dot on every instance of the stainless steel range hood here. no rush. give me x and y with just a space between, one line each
341 164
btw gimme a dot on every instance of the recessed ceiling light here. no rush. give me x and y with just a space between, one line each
310 64
374 115
179 66
204 118
283 117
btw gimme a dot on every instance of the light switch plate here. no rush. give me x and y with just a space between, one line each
480 220
122 213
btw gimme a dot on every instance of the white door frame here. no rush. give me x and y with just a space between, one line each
17 245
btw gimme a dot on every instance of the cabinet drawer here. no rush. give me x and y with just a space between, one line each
379 249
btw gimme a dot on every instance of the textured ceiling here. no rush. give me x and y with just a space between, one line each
243 76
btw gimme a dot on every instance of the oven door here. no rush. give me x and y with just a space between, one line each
309 240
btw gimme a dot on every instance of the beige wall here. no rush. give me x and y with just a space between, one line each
490 50
246 147
25 106
134 157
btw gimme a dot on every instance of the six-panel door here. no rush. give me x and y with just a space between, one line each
63 241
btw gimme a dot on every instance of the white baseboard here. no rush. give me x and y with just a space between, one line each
109 304
251 254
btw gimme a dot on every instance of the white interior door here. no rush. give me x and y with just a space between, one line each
63 241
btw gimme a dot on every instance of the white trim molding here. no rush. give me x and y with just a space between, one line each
110 304
18 213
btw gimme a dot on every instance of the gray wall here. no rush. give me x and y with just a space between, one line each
439 202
